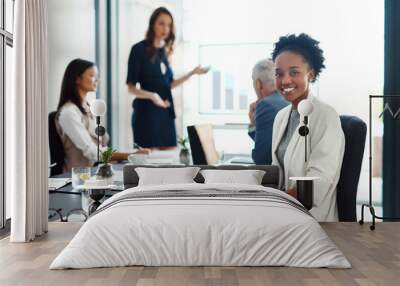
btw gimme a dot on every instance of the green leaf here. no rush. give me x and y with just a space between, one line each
182 142
107 154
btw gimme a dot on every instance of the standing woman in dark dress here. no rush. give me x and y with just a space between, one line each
153 118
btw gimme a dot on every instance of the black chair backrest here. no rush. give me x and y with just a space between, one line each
57 153
198 156
355 131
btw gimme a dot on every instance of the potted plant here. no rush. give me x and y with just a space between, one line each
105 171
184 156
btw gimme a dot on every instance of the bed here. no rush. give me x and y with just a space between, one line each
198 224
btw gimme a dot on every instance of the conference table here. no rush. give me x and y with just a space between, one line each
66 201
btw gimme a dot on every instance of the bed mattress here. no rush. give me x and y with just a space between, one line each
201 225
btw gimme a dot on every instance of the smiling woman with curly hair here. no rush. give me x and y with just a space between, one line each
298 62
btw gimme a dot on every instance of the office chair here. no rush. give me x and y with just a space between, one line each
198 156
202 144
57 154
355 131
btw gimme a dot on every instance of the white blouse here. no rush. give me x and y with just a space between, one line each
78 129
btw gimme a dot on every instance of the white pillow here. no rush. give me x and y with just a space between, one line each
248 177
165 176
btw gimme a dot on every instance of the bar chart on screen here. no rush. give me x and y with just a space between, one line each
228 87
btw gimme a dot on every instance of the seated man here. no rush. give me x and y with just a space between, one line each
263 111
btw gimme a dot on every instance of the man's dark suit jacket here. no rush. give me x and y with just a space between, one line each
266 110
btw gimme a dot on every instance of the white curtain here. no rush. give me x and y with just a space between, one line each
28 158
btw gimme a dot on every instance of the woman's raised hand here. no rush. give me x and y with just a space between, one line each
200 70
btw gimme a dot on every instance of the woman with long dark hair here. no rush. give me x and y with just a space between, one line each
153 119
74 122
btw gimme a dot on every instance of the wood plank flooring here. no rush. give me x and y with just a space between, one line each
374 255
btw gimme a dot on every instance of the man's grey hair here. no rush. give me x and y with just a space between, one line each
264 70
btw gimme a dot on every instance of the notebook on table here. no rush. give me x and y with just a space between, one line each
58 183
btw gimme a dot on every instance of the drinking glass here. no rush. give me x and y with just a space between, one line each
80 175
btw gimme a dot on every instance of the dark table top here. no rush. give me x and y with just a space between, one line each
69 189
67 200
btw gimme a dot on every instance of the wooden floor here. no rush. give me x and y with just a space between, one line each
374 255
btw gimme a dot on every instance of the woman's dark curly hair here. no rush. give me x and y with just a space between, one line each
303 45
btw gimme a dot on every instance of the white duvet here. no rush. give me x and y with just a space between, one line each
200 231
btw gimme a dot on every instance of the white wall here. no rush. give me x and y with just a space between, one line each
71 34
350 32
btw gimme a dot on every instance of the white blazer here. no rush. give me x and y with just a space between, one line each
325 146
